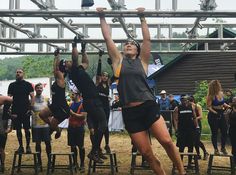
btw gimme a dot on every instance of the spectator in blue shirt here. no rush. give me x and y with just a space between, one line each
164 101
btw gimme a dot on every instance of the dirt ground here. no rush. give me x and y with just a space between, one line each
119 142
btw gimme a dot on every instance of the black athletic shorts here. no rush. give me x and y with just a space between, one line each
186 138
96 117
75 136
60 112
41 134
140 118
21 120
3 140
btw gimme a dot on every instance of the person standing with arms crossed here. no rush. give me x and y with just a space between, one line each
139 109
20 90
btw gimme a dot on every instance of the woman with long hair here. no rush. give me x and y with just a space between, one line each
139 109
216 106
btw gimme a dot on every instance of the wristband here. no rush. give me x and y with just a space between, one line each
142 19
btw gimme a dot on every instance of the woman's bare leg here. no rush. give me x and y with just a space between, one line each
142 143
160 132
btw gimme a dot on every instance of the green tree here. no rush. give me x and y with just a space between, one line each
201 93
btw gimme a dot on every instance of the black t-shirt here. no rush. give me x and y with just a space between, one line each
185 118
83 82
103 94
20 90
58 95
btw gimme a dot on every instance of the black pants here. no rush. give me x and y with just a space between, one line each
232 136
216 122
97 116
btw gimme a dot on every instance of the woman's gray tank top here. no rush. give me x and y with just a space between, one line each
132 86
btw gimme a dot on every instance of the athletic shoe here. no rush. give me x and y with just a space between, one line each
145 164
101 155
82 169
28 150
20 150
205 156
107 148
95 157
217 152
223 150
199 156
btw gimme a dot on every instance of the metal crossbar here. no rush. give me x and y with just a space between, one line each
12 43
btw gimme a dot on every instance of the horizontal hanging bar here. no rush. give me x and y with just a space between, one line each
116 13
161 40
96 53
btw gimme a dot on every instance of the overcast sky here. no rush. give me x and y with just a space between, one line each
226 5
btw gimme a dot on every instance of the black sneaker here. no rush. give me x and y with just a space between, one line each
28 150
95 157
199 156
216 152
20 150
145 164
108 149
224 151
205 156
82 169
101 155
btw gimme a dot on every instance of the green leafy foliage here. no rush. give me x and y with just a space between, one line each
41 66
8 68
201 93
37 66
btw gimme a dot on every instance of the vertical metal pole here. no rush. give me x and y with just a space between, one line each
22 47
159 34
60 33
17 4
158 4
11 4
174 5
85 30
1 30
220 31
67 46
37 32
11 30
48 48
206 47
170 36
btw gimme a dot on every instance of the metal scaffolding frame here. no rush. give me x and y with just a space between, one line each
11 43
